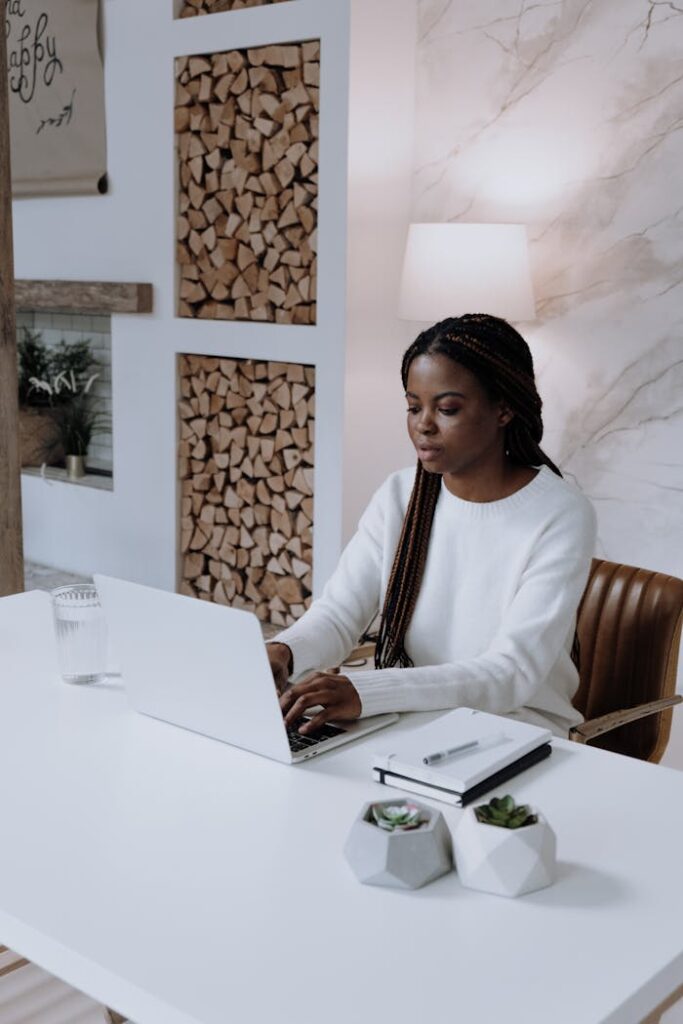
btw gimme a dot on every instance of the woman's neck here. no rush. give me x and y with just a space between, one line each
489 482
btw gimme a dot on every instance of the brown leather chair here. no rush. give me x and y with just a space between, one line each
629 629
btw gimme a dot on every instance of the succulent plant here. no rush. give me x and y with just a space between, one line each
397 817
504 812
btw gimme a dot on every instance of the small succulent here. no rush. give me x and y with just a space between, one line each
397 817
504 812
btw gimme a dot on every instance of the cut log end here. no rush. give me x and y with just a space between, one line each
246 129
246 467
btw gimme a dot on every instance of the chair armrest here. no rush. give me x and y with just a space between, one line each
360 654
11 964
605 723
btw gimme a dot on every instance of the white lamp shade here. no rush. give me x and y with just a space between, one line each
451 269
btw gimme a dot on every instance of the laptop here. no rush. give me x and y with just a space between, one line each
204 667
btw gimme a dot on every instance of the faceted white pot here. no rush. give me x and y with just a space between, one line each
406 860
504 861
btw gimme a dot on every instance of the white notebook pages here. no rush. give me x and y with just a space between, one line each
500 742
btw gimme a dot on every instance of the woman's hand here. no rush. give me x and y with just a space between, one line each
337 695
280 658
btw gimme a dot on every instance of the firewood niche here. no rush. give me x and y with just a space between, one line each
246 484
193 7
246 126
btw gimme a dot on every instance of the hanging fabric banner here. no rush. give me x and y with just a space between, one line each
56 89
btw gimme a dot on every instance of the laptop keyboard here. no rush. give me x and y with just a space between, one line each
297 742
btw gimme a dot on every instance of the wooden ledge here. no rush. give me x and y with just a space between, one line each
51 473
83 296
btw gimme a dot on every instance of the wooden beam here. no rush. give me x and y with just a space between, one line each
11 545
84 296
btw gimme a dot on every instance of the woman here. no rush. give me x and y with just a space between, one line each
478 560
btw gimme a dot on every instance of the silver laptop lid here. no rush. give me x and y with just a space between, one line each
196 664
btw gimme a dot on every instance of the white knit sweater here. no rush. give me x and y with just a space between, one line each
494 621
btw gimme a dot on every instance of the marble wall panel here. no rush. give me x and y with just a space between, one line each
567 116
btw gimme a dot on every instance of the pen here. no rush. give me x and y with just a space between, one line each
441 755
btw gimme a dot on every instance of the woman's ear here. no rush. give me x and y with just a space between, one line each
505 414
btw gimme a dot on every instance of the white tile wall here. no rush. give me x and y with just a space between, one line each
74 327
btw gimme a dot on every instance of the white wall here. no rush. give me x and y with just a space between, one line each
381 119
128 235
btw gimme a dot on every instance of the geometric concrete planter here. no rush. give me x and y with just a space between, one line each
504 861
403 859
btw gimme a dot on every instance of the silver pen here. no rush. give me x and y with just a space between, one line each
441 755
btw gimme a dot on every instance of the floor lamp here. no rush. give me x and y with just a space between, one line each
451 269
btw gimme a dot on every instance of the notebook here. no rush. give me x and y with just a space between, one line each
204 667
504 748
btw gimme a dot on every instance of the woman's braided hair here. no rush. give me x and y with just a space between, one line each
500 358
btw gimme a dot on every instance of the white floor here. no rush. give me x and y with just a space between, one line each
29 995
42 577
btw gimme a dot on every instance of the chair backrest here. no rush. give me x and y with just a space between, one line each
629 628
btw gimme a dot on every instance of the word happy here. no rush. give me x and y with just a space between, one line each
33 56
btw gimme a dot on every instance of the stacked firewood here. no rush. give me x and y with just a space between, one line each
193 7
247 137
246 482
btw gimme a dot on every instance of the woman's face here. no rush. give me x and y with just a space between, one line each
454 425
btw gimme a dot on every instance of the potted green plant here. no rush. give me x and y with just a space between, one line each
75 416
398 817
38 430
399 843
504 848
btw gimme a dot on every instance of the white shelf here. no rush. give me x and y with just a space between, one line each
53 473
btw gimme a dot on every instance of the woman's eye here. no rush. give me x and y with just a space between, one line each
449 411
413 408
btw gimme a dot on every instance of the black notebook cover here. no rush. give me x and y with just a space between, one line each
508 772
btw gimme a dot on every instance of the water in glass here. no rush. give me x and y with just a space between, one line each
81 633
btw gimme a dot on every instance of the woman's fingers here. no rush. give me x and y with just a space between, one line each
299 689
316 722
306 701
337 695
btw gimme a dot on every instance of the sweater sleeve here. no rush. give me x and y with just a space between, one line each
524 650
331 627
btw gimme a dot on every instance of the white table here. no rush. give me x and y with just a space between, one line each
182 881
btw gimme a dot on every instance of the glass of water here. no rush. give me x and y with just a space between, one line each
81 633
